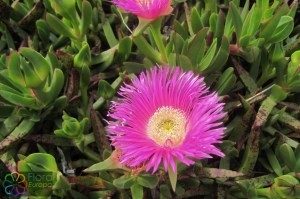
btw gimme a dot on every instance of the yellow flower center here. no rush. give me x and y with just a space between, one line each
165 124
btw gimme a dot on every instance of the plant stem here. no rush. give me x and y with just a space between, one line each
99 103
115 85
84 97
89 138
82 163
260 93
85 75
157 36
90 154
147 49
143 24
20 131
9 124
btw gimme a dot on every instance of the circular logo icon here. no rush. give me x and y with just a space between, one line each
15 184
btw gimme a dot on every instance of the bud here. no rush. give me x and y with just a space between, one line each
71 127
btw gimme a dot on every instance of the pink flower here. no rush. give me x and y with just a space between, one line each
166 115
147 9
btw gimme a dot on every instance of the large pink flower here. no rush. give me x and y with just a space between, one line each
147 9
166 115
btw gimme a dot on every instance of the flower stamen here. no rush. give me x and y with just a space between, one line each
167 123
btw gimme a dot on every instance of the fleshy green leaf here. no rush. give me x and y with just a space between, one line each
237 20
196 20
288 156
44 161
124 182
14 69
197 47
39 63
137 191
271 25
209 56
149 181
109 34
226 81
274 162
172 177
86 18
125 48
283 29
59 26
105 90
83 58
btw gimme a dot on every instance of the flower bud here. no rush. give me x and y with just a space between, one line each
71 127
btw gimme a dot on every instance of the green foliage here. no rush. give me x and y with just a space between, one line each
30 80
71 25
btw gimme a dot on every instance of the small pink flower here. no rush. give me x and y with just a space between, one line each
166 115
147 9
